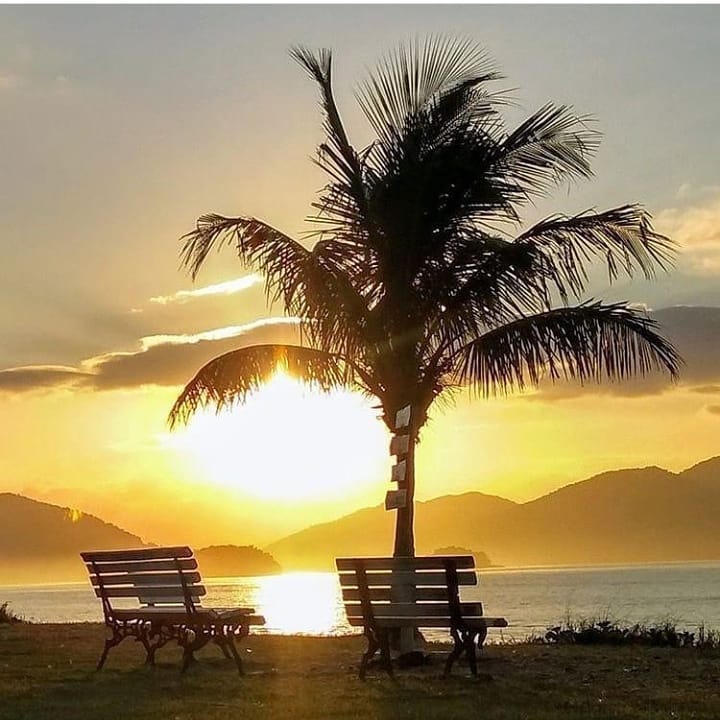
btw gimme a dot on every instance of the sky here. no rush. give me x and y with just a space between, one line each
122 125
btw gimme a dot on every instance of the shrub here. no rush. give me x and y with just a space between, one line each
7 616
608 632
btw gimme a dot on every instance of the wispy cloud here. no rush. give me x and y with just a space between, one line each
164 360
218 334
225 288
37 377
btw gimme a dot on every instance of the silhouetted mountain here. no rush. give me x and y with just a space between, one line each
41 542
623 516
447 520
235 561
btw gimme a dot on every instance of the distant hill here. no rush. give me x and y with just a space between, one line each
40 542
234 560
623 516
481 558
448 520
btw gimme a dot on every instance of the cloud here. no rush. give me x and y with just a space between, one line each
697 230
160 360
225 288
172 359
218 334
37 377
713 409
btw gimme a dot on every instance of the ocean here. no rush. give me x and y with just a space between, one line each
532 600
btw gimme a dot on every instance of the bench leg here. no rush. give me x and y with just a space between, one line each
119 633
385 653
163 635
187 660
235 654
482 635
455 652
109 643
469 642
221 642
373 647
200 638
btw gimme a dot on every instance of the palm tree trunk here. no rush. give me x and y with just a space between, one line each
405 519
406 640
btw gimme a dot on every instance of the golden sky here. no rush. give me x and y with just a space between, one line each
122 125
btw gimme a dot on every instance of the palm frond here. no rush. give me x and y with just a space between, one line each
411 76
588 342
336 156
315 285
622 237
278 257
229 378
551 146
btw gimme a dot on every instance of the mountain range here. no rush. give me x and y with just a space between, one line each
622 516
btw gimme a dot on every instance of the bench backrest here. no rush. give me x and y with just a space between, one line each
162 576
419 587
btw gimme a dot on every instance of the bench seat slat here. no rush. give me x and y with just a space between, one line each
142 566
435 562
419 579
428 622
385 593
168 579
180 617
161 553
156 591
440 609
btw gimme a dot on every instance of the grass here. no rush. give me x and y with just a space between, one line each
47 671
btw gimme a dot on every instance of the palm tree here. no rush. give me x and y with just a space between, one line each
416 284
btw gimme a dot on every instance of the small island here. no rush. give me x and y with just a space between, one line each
236 561
481 559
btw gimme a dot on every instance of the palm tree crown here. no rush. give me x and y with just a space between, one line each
414 284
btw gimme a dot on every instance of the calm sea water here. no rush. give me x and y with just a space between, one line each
531 600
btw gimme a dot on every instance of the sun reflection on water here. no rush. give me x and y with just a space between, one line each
292 603
298 603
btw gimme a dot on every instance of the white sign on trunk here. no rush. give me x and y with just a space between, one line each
395 499
399 445
398 472
402 417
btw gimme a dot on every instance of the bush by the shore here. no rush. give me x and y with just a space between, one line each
609 632
8 617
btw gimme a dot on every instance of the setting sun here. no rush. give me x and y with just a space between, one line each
286 441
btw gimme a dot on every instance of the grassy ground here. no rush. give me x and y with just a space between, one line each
47 671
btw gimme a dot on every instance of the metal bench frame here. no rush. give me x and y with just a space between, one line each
468 627
169 603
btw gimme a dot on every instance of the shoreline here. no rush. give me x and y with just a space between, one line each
492 569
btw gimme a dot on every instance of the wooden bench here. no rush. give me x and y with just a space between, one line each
381 594
165 583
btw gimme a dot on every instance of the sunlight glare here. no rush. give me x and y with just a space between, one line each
289 441
301 603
